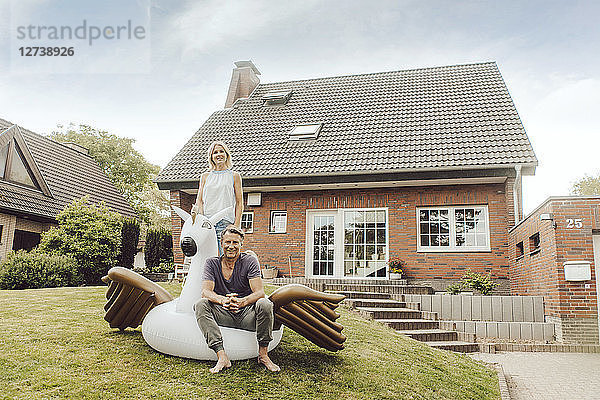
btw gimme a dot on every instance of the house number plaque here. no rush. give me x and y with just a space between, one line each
574 223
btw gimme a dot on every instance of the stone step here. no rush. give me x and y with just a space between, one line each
390 313
322 281
380 303
392 289
457 346
431 335
361 295
404 324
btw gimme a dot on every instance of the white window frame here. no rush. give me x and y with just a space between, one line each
338 267
452 248
251 213
272 226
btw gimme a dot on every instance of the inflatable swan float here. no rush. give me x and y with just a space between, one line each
169 325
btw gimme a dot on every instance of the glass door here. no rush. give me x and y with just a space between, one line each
365 243
323 243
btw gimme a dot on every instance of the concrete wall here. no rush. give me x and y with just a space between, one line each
482 308
538 331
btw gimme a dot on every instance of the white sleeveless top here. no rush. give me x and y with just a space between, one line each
218 193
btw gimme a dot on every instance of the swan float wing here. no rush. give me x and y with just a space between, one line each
129 298
310 313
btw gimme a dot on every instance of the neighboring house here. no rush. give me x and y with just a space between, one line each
38 178
341 174
555 253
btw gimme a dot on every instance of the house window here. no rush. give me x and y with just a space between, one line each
534 243
25 240
365 243
1 232
453 229
520 250
13 167
278 222
247 224
305 132
323 245
277 97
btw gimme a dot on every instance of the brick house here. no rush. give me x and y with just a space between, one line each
342 174
38 178
555 253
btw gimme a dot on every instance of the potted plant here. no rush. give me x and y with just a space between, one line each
395 268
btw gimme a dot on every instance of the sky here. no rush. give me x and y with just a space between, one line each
159 89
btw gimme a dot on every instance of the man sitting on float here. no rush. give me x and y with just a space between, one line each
233 296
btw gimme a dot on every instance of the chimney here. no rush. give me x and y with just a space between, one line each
243 81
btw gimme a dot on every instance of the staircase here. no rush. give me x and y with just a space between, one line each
375 302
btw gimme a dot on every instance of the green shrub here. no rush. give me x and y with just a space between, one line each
32 270
130 235
90 234
480 282
456 288
165 266
158 248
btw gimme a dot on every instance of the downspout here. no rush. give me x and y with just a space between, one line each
516 186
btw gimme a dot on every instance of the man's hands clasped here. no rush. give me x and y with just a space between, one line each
233 303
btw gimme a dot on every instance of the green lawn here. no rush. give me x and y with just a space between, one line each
55 344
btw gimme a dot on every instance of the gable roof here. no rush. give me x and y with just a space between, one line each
455 117
67 173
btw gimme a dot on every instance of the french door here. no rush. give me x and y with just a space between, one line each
322 243
349 243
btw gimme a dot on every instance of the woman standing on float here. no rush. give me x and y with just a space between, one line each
220 188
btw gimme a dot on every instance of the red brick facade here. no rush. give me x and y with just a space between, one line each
571 304
288 249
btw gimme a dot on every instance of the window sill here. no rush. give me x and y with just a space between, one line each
453 251
277 232
534 252
520 257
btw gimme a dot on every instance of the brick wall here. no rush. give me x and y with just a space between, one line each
32 226
283 249
8 229
540 272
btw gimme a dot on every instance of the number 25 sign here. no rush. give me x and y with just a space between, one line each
574 223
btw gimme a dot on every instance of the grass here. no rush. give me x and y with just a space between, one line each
54 343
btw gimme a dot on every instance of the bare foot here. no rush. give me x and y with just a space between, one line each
222 362
270 365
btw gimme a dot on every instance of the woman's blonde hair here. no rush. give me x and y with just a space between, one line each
211 148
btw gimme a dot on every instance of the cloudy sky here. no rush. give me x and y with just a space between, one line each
161 88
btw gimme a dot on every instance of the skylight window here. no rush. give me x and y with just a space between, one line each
277 97
305 132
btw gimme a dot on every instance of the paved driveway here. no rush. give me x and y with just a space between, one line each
545 376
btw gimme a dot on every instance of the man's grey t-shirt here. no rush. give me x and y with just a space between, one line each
246 267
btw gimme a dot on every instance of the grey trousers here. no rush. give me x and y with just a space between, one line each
256 317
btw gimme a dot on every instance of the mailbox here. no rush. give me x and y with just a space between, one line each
577 270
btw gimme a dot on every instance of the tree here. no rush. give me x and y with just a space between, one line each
130 235
88 233
587 186
126 168
158 248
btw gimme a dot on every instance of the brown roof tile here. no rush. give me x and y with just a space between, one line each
445 117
